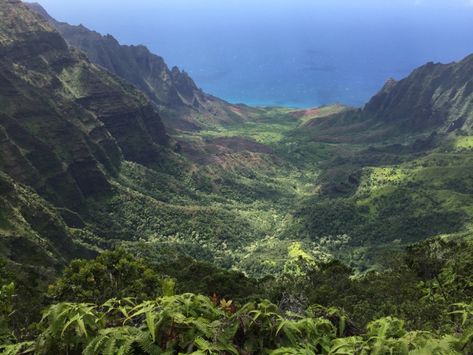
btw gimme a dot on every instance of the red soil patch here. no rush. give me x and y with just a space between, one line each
312 112
227 151
239 144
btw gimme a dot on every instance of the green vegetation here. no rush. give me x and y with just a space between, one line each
270 230
261 221
192 324
113 274
419 306
240 195
270 127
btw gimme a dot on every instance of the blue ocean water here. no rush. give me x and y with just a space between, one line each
286 52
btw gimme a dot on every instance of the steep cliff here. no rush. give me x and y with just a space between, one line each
64 122
433 99
66 126
182 104
434 96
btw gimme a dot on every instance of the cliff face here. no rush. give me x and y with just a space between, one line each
182 104
66 125
135 64
64 122
434 96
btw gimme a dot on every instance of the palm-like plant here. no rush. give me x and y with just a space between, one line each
256 326
17 349
348 346
177 321
68 327
193 324
122 341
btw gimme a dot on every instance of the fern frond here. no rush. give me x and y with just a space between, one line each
15 349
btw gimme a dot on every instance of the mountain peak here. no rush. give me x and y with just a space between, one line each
181 103
86 113
433 96
388 85
38 8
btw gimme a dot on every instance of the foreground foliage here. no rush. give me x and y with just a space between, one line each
195 324
120 304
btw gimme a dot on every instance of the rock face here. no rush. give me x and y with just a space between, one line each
134 64
434 96
66 125
64 122
180 101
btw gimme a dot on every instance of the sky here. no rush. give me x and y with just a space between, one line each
285 52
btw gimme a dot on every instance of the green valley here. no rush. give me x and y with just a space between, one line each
141 215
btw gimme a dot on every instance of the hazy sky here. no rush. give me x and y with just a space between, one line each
299 52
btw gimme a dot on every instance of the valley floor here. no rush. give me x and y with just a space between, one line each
258 195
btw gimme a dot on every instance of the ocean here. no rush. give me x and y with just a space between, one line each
297 53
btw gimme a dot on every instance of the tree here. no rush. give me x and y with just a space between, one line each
7 293
113 274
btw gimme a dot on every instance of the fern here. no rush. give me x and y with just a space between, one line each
17 349
121 341
291 331
68 326
381 334
347 346
465 343
465 310
428 343
192 324
293 351
207 348
119 307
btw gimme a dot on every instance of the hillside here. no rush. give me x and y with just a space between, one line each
433 99
435 96
65 128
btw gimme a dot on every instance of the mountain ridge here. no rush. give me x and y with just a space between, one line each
435 99
434 95
66 126
180 101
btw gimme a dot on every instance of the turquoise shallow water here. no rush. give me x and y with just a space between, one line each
286 52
